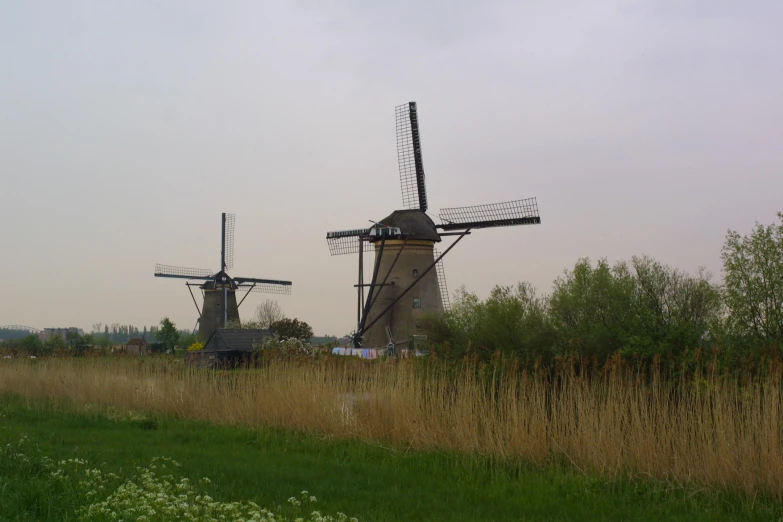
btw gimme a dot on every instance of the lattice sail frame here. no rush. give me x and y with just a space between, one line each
229 245
181 271
444 291
343 242
508 213
266 288
409 158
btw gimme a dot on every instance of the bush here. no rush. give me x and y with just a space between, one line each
198 345
512 321
641 308
292 329
278 348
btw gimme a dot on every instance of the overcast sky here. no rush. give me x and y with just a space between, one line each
127 127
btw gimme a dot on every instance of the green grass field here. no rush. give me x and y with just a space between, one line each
354 477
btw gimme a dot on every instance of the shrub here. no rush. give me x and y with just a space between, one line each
198 345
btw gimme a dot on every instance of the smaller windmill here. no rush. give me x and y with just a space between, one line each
219 289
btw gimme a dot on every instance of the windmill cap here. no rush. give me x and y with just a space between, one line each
413 222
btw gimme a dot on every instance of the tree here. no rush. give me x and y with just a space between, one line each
78 343
167 334
753 283
512 321
643 307
31 345
268 312
55 344
590 307
292 328
186 338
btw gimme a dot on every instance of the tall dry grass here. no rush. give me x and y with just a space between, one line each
706 429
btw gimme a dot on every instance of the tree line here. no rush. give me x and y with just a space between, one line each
163 337
639 308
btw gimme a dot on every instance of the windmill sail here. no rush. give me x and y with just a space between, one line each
228 240
509 213
444 291
181 272
348 241
409 159
266 288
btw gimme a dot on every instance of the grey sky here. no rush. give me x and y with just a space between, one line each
127 127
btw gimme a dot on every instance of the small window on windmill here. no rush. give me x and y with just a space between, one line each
416 302
415 274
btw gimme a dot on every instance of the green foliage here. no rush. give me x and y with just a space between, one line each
753 279
78 344
32 345
186 339
167 335
287 328
642 308
158 492
512 321
55 344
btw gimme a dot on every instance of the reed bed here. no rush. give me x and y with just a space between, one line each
705 429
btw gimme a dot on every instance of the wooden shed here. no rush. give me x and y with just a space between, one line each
227 347
137 346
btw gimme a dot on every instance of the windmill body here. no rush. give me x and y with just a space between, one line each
416 253
213 311
219 305
407 279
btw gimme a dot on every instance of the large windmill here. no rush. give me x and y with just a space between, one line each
403 285
219 289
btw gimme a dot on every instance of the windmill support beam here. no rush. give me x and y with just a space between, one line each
372 286
441 234
225 306
194 298
360 286
402 294
391 268
246 294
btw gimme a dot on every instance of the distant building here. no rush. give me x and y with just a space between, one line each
137 346
60 332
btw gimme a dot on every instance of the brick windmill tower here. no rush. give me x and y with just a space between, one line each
403 284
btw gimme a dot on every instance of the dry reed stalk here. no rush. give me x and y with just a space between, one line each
706 429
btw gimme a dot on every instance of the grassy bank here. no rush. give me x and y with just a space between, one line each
366 480
702 430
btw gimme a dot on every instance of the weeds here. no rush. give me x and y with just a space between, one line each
154 493
702 428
